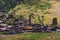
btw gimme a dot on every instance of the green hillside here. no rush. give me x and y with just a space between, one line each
40 9
25 7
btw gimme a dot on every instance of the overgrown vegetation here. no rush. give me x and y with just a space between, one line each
25 7
28 7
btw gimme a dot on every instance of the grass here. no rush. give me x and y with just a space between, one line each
32 36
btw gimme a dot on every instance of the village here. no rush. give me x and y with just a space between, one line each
12 25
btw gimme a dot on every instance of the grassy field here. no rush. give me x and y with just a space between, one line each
32 36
